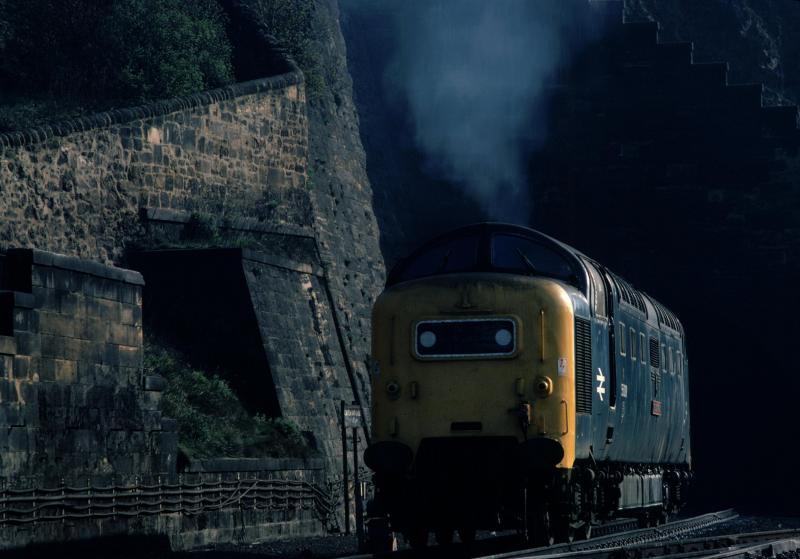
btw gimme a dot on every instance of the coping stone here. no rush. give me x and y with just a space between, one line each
8 345
75 264
254 464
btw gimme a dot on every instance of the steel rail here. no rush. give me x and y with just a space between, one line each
773 549
704 545
615 541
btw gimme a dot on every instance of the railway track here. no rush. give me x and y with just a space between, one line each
618 541
773 544
669 542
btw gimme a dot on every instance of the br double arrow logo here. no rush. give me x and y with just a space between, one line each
600 382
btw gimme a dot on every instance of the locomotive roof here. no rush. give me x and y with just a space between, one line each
483 230
482 233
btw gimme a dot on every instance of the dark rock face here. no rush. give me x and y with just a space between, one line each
687 186
345 225
757 39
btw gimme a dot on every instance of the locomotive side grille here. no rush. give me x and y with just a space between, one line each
583 366
655 360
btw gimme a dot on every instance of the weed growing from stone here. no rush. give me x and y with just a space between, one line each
212 422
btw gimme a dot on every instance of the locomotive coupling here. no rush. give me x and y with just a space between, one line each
539 452
388 457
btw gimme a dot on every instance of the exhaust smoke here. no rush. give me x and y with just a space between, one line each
472 75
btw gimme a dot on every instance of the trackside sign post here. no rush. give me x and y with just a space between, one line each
351 419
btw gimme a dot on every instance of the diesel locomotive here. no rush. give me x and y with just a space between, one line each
517 383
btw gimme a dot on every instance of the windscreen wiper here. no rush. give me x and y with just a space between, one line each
527 261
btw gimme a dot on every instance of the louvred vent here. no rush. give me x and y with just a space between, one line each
583 366
655 359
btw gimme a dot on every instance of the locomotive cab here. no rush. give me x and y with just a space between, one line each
485 409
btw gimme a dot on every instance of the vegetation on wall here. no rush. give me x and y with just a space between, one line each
212 422
93 53
295 28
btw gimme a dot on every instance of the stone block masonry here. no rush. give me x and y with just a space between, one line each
73 400
265 320
269 500
77 187
84 449
95 187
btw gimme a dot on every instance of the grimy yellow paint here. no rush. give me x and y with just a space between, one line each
481 390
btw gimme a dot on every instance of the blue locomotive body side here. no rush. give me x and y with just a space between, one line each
492 418
639 376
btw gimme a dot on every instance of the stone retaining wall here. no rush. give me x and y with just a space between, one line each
72 396
84 449
275 500
96 187
76 187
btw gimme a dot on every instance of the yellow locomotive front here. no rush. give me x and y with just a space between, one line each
473 393
476 355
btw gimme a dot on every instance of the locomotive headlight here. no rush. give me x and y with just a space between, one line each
427 339
503 337
465 338
543 386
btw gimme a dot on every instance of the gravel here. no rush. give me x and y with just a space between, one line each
748 523
321 547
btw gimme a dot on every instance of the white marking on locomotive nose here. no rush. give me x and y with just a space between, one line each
601 380
427 339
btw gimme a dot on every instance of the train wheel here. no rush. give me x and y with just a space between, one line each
417 538
444 536
466 534
540 532
379 538
563 532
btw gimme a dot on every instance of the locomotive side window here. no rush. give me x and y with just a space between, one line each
633 344
456 255
642 347
680 362
671 362
525 256
663 358
598 289
622 337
